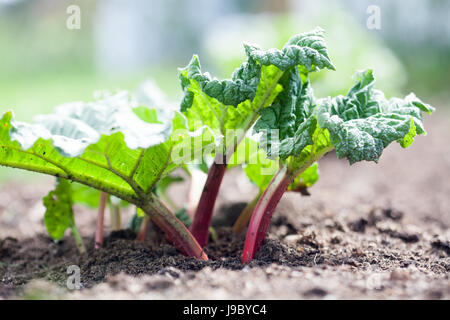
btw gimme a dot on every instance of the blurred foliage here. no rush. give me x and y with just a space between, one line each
44 64
428 69
350 46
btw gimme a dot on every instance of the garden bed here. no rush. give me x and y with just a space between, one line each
370 231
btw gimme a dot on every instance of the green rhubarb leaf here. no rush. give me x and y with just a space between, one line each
310 175
311 153
101 144
307 50
306 179
58 214
261 173
202 109
146 114
85 195
246 152
153 102
254 86
107 146
363 123
241 86
260 169
288 124
183 216
245 113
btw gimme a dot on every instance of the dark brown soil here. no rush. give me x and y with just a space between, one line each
41 257
367 231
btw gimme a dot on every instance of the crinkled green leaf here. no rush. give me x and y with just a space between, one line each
241 86
245 113
291 118
307 50
58 214
364 122
201 109
107 146
44 158
102 144
74 126
223 119
311 153
254 86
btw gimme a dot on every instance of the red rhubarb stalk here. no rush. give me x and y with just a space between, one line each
205 207
143 229
175 231
262 214
100 220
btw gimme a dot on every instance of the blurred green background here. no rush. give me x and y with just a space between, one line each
122 43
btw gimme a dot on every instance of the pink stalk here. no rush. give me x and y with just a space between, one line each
143 229
205 207
175 231
262 214
100 220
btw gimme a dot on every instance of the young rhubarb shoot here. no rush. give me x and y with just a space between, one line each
242 221
59 214
100 220
358 126
143 228
114 210
234 105
109 145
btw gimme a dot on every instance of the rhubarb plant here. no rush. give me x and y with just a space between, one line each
359 126
126 146
231 107
110 145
